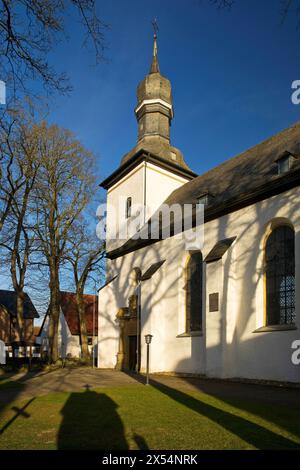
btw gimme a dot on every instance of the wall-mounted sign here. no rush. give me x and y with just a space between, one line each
214 302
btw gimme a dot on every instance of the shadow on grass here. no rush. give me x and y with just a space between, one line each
140 442
10 390
91 421
18 412
277 405
254 434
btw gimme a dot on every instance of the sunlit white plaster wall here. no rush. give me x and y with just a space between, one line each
158 185
148 185
132 185
67 343
229 347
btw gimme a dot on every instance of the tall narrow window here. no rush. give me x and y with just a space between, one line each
128 207
280 276
194 296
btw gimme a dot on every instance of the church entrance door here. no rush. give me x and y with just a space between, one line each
132 352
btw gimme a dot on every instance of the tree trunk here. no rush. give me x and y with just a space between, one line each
18 267
82 326
54 312
20 316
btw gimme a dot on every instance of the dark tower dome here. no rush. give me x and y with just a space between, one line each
154 113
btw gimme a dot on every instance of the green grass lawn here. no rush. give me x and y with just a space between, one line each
139 417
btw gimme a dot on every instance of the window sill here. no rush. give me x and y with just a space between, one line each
190 334
269 328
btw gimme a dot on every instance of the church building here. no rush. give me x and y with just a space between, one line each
229 309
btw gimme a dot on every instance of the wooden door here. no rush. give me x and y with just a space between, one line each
132 341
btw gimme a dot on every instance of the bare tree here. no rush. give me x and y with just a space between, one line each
284 7
28 31
64 182
222 3
85 256
19 242
11 175
287 7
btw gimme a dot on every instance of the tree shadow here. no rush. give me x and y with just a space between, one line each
140 442
252 433
91 422
12 384
277 405
18 412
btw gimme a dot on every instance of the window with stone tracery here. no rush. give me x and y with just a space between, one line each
194 294
280 276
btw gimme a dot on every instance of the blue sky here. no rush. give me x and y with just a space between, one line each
231 73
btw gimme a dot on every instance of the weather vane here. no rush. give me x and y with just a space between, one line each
155 27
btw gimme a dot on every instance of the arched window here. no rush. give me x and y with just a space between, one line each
194 270
128 207
280 276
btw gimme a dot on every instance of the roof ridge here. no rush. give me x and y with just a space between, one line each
243 174
241 154
74 293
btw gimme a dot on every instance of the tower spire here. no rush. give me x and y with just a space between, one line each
154 113
154 65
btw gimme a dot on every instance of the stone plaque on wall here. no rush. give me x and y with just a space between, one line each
214 302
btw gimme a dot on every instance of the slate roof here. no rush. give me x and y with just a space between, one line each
69 308
243 173
160 156
8 300
238 182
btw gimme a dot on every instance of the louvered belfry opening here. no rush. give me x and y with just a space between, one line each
280 276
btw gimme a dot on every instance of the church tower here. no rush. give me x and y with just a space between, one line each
153 168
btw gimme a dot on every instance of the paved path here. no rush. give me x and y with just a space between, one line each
67 380
32 384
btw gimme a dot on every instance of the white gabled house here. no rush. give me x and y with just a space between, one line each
68 329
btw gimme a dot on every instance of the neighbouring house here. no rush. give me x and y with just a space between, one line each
36 350
230 309
68 330
8 319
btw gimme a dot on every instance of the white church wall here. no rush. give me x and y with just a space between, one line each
138 184
132 185
190 354
169 350
160 184
214 321
229 308
229 347
268 354
160 304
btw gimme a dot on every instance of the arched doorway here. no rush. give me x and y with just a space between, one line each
130 326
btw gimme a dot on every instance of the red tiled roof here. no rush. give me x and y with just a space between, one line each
69 308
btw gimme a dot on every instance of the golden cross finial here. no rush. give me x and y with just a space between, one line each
154 66
155 27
